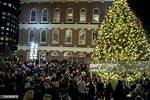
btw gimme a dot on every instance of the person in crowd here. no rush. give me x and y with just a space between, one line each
91 91
108 91
137 92
82 89
61 81
47 97
99 88
29 95
118 94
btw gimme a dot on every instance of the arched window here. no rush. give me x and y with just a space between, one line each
82 37
94 35
43 36
31 36
33 15
82 15
69 57
56 17
95 15
55 36
55 55
45 15
81 58
68 36
69 15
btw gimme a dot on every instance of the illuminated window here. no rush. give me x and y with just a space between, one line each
55 36
82 37
43 36
2 28
6 38
31 37
69 15
9 14
95 15
68 36
2 38
4 3
3 13
7 29
82 15
56 17
10 5
45 15
3 17
8 24
33 15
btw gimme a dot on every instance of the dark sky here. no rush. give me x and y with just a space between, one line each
142 9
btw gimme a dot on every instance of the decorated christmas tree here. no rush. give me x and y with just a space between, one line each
121 37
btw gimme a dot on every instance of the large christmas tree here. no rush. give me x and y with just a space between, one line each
121 36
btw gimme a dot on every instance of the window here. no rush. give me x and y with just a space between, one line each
3 13
31 35
9 4
45 15
69 15
94 35
81 58
82 37
55 36
56 17
68 36
8 24
2 28
9 14
55 55
33 15
95 15
69 57
4 3
3 17
82 15
7 28
43 36
2 38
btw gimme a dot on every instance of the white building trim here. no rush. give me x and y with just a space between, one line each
61 26
60 49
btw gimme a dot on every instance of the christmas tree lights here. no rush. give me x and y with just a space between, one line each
121 36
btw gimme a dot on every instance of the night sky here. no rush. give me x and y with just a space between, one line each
142 10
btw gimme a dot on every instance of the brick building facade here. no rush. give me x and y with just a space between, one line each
63 29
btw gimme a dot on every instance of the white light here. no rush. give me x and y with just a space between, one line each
35 57
4 3
9 4
33 50
32 43
31 57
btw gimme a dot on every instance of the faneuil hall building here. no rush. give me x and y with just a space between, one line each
63 29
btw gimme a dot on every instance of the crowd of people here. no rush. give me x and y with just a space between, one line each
59 80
